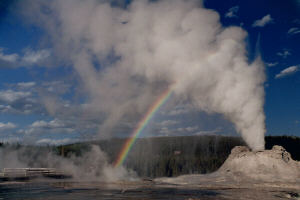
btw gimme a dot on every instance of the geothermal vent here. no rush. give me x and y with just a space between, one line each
268 165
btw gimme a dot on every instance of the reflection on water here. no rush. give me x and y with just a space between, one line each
47 191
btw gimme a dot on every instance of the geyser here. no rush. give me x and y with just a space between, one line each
244 168
150 44
269 165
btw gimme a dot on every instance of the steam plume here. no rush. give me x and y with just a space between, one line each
91 166
126 56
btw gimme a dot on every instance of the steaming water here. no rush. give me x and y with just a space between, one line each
62 190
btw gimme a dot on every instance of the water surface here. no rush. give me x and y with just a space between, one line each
91 191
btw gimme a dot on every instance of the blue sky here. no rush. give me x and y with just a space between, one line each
43 100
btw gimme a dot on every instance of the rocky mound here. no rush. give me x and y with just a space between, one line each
246 168
268 165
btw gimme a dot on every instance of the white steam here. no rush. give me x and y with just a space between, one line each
91 166
126 56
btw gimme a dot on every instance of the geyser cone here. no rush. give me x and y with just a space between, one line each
268 165
245 168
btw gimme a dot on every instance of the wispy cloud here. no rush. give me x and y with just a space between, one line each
42 127
20 98
189 129
209 132
8 57
48 141
284 53
43 99
28 58
263 21
180 110
51 124
26 84
232 12
6 126
168 123
293 31
11 96
31 57
288 71
272 64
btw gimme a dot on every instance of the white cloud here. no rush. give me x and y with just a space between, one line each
39 124
168 122
11 95
5 108
263 21
288 71
26 84
210 132
55 123
284 54
28 58
6 126
27 98
232 12
180 110
21 98
293 31
188 129
31 57
165 131
55 126
48 141
8 57
272 64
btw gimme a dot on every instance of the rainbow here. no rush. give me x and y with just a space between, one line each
141 125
